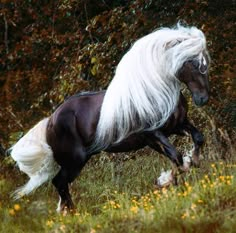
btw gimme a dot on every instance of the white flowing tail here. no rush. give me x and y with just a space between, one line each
35 158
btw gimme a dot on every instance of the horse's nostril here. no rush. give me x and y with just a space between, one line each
200 100
204 99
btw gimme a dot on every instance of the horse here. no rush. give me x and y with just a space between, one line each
142 106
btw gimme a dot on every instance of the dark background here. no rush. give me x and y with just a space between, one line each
52 49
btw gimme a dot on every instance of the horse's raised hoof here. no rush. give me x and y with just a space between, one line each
166 179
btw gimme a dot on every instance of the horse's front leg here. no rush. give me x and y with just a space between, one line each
159 142
198 140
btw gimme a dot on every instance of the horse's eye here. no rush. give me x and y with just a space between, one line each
195 63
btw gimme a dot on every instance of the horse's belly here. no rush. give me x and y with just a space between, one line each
132 143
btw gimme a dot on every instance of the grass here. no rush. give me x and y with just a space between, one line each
117 194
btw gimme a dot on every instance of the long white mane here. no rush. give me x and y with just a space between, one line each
145 90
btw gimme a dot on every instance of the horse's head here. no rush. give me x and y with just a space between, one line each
194 74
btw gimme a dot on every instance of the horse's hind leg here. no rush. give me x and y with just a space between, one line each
69 153
60 181
67 175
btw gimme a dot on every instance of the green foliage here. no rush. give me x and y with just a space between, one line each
51 50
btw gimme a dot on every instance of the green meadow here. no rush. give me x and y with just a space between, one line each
117 193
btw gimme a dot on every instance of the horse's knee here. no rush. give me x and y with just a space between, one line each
177 159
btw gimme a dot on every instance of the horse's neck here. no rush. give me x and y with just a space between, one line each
182 101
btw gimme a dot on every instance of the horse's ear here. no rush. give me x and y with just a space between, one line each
172 43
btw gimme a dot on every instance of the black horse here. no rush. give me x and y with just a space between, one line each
142 107
71 135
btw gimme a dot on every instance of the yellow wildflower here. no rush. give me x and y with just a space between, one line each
49 223
228 182
134 209
16 207
112 203
62 228
222 178
12 212
117 205
92 230
184 193
156 192
189 189
186 184
193 206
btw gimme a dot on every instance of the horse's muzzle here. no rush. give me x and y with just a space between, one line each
200 100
